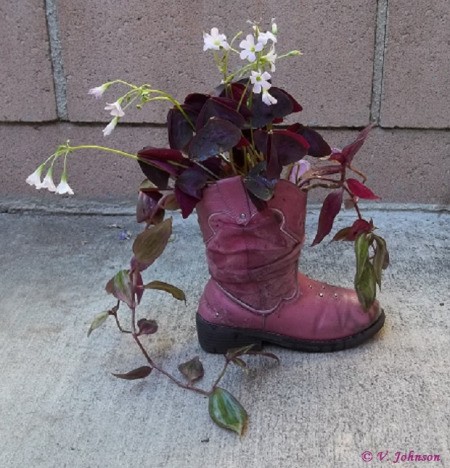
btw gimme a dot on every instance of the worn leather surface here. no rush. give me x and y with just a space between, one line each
253 261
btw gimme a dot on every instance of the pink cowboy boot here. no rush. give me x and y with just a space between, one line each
256 294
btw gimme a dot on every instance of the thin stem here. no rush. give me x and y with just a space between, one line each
328 186
356 171
168 97
121 153
119 326
324 179
219 378
159 369
104 148
355 204
124 83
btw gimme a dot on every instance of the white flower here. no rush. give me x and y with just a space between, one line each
265 37
35 179
268 98
110 127
270 58
48 181
250 48
298 169
98 91
260 81
115 108
63 186
215 41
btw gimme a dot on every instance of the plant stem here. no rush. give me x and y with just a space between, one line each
356 171
119 326
219 378
323 185
104 148
173 379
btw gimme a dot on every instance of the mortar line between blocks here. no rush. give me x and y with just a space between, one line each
378 62
59 79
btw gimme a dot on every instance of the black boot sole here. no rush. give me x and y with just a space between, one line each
218 339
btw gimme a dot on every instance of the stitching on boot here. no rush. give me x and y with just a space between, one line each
256 311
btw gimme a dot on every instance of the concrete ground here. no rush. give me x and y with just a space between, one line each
61 407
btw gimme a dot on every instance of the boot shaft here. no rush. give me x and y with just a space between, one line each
253 255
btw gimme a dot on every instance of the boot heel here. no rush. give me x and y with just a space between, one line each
218 339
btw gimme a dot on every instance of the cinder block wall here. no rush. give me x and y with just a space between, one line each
385 61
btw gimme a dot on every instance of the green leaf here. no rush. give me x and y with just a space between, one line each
381 258
226 411
98 320
362 254
365 286
161 286
192 370
120 286
150 244
139 373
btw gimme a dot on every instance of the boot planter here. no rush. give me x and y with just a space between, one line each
226 157
256 294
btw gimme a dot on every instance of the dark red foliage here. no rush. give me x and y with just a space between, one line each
348 153
160 163
360 190
360 226
330 208
318 147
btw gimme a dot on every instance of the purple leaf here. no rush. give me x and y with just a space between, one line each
264 114
147 208
263 142
296 107
222 109
192 181
196 101
179 129
290 147
215 137
192 370
159 163
139 373
147 327
318 147
186 202
330 208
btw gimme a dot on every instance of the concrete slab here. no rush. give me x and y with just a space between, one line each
61 407
25 65
417 65
161 43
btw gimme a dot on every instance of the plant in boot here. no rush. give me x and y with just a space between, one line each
226 156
